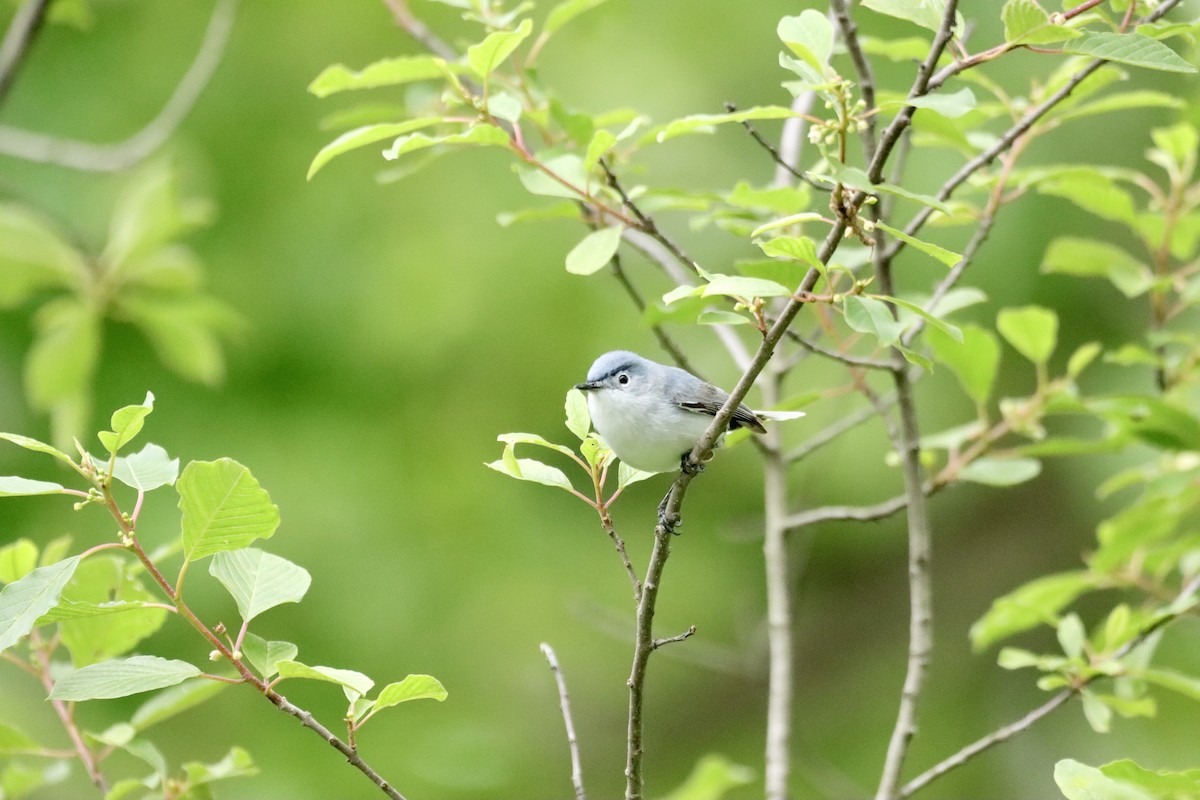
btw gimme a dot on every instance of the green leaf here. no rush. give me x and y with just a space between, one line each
480 135
1001 471
566 11
36 446
34 255
568 167
175 700
26 599
741 286
360 137
947 257
1128 48
809 36
712 778
485 57
122 677
413 687
386 72
150 213
579 421
1069 255
1096 711
355 682
147 469
1026 22
1031 330
126 423
17 559
103 611
926 13
950 330
1154 421
60 363
1186 685
704 123
265 656
1027 606
513 439
1122 101
951 105
1071 635
14 741
1094 192
14 486
974 361
595 251
259 581
851 176
183 331
867 315
1080 782
527 469
237 763
1163 785
224 508
627 475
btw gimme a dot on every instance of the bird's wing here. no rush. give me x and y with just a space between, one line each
708 399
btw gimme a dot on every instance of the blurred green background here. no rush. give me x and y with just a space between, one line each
395 330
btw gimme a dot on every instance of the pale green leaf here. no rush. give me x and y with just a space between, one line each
566 11
175 700
23 601
1001 471
571 178
527 469
950 330
1071 635
947 257
712 778
741 286
1186 685
579 420
17 559
1071 255
126 423
1092 191
867 315
103 583
950 105
538 441
1096 711
1036 602
704 123
809 36
14 741
259 581
594 251
150 213
1031 330
224 508
360 137
34 255
147 469
1133 49
36 446
237 763
413 687
479 135
386 72
15 486
265 656
1162 784
60 363
926 13
851 176
1026 22
356 682
122 677
627 475
485 57
1080 782
974 360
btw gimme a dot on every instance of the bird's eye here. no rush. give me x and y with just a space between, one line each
622 379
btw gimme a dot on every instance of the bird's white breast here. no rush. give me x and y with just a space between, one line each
646 433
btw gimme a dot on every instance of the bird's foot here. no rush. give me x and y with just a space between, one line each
686 465
668 522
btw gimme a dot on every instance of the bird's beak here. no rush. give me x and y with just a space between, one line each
587 386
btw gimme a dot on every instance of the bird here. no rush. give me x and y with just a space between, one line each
651 415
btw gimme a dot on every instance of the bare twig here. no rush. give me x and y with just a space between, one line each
835 355
565 704
92 157
776 155
65 712
872 513
419 31
607 523
679 637
20 35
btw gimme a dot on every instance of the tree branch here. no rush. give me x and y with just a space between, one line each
91 157
565 704
20 35
419 31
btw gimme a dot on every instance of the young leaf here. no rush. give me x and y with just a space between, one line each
26 599
712 778
527 469
538 441
237 763
1070 255
740 286
33 255
100 584
1028 606
926 13
1080 782
360 137
126 424
950 330
62 359
1128 48
147 469
481 135
15 742
1026 22
1096 711
174 700
1001 471
809 36
579 421
1161 784
413 687
1093 192
483 58
974 361
627 475
947 257
224 508
867 315
1071 635
951 105
17 559
386 72
355 682
703 123
259 581
122 677
265 656
594 251
566 11
572 177
36 446
1031 330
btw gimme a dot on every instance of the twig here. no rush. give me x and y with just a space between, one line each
419 31
679 637
619 543
20 35
642 648
791 138
66 715
92 157
776 156
872 513
833 431
1006 732
845 358
565 704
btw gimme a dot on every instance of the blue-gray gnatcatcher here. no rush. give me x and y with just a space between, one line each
652 415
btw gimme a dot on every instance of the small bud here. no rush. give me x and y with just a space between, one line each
214 655
219 629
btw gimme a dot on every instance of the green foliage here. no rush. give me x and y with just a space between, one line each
223 508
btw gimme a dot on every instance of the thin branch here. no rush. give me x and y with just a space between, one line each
92 157
791 138
844 358
833 431
66 715
679 637
607 523
872 513
1006 732
565 704
20 35
419 31
776 156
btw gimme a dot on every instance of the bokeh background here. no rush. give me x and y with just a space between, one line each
396 329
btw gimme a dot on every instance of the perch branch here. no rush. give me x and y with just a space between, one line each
565 704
